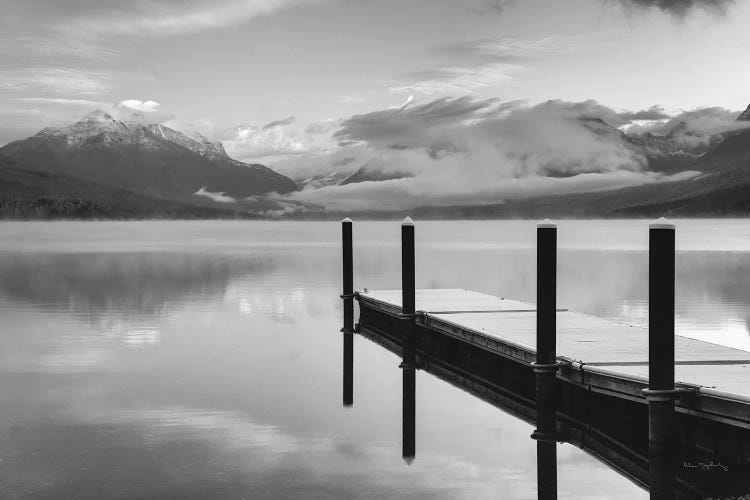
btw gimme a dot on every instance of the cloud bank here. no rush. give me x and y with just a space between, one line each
695 129
465 151
680 8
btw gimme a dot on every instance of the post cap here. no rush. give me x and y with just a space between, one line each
546 223
407 221
662 223
347 220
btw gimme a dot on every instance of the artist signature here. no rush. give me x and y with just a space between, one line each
705 466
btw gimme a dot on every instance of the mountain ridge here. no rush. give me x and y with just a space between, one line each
151 160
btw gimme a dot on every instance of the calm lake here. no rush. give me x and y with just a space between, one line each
195 360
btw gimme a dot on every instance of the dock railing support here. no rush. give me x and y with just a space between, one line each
661 393
546 365
348 298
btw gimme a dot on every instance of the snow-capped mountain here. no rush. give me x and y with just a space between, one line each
153 160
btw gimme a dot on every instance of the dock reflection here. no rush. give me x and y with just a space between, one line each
698 470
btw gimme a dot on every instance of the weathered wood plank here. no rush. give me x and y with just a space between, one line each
732 378
592 340
448 300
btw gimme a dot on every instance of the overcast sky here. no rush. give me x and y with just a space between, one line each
223 63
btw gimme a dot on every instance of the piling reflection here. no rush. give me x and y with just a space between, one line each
546 470
408 441
348 377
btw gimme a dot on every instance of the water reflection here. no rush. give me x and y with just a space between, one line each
100 287
195 360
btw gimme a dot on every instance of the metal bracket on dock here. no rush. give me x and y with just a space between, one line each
668 394
549 437
416 315
548 368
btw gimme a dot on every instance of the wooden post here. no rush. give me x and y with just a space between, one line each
348 297
546 291
661 392
661 291
408 292
407 267
546 366
348 285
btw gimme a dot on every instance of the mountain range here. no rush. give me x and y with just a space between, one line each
128 169
104 167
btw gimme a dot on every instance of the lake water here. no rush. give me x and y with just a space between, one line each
203 359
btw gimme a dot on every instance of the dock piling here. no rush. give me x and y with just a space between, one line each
545 367
348 298
661 393
546 291
407 267
408 292
348 282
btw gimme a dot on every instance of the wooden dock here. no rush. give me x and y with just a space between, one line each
655 403
606 355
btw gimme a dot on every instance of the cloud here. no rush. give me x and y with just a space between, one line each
408 101
471 65
218 197
322 163
455 79
146 112
490 6
652 113
462 151
592 109
393 128
143 106
449 185
64 102
55 80
322 126
508 49
166 17
275 140
680 8
279 140
696 128
279 123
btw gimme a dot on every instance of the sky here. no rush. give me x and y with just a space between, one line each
280 79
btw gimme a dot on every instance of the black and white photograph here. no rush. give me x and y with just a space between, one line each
374 249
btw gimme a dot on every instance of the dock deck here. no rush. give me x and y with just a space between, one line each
603 354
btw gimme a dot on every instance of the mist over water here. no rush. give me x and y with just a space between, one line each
203 359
